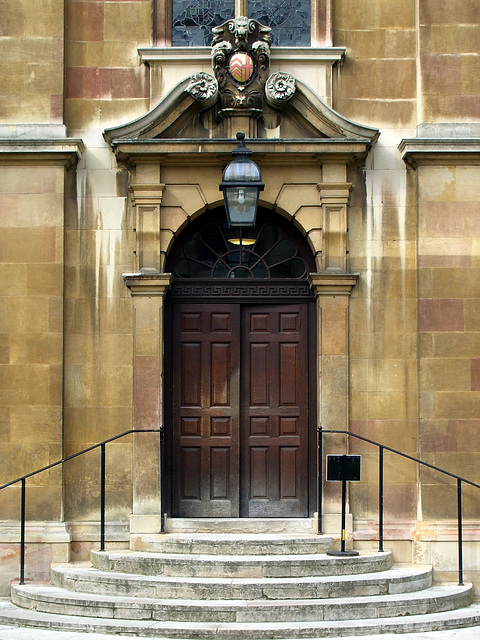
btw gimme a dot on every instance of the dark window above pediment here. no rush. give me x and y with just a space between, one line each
193 21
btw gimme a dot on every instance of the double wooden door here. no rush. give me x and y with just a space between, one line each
240 411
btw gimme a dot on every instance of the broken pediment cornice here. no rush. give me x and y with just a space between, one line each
199 92
326 121
242 94
183 102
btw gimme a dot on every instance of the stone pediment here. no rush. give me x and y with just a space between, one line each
190 111
241 95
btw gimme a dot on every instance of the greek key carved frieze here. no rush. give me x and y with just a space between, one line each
241 290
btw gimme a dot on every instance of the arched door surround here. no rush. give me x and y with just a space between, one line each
175 168
240 383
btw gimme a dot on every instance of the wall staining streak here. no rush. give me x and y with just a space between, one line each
105 84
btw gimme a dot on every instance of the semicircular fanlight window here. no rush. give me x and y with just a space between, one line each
215 251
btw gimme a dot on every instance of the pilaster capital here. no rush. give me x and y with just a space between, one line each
147 194
334 192
332 284
148 283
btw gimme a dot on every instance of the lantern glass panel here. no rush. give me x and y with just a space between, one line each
241 205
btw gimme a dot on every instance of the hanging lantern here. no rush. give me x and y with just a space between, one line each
241 186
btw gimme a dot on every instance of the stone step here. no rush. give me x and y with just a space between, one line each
253 566
8 632
10 614
401 579
284 526
231 543
55 600
240 586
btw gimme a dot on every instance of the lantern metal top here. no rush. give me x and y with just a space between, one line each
241 169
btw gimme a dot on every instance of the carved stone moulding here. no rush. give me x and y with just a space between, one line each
218 288
148 284
332 283
440 151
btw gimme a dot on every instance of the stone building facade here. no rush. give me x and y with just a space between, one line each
110 162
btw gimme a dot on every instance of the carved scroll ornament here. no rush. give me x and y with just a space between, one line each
203 87
279 88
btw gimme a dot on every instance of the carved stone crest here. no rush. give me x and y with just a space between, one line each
241 61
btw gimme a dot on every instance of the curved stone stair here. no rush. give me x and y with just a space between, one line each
240 586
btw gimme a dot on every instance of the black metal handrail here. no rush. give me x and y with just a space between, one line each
102 446
381 449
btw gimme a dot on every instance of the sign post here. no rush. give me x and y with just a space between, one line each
343 468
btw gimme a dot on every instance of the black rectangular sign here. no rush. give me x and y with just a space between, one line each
343 468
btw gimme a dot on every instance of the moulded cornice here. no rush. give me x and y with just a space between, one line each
280 152
439 151
278 54
61 151
309 105
147 283
332 283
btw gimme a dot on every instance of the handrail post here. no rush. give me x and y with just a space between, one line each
459 480
24 478
320 481
460 536
344 516
380 499
162 480
22 534
102 498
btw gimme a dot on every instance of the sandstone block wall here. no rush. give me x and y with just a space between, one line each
31 62
105 84
68 323
31 320
449 334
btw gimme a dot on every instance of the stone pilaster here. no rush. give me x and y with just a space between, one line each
148 291
334 198
332 293
147 200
